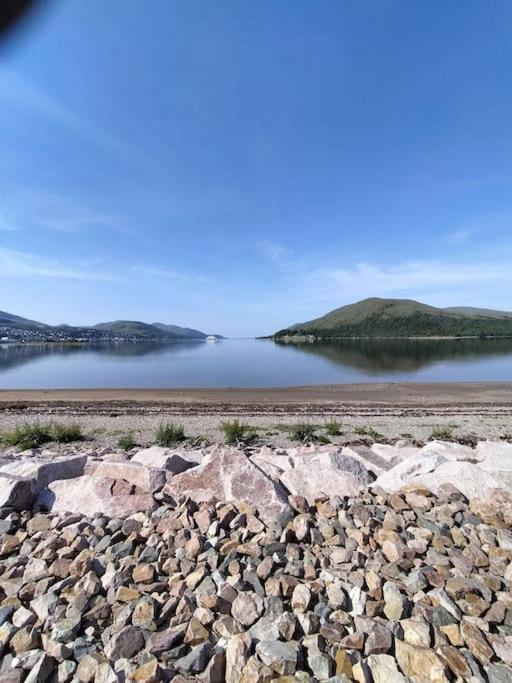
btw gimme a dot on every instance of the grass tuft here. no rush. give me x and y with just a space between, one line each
369 432
234 431
66 433
302 431
127 441
169 433
333 428
443 432
28 435
35 434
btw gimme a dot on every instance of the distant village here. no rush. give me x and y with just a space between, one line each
63 335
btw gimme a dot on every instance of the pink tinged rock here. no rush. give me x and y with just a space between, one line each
228 475
149 479
334 474
89 495
167 459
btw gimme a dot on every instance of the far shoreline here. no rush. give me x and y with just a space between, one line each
406 393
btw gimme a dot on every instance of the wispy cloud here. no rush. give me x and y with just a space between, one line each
24 208
22 264
459 236
275 252
305 292
18 92
409 275
166 273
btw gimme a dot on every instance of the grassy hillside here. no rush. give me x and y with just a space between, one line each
134 328
403 318
478 312
182 332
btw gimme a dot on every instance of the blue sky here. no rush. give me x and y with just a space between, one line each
240 166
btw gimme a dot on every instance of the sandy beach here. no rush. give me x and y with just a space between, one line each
482 409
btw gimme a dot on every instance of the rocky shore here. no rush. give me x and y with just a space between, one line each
315 563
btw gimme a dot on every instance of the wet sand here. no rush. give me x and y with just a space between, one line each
400 394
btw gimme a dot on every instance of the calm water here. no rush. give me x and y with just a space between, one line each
247 362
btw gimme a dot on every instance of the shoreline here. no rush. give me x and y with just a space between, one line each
435 393
391 410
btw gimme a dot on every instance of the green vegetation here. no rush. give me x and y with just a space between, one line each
66 433
322 438
234 431
302 431
443 432
169 434
407 435
333 427
403 318
369 432
35 434
127 441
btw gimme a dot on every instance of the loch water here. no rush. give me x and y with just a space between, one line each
252 363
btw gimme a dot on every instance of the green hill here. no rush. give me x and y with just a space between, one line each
135 328
403 318
182 332
17 327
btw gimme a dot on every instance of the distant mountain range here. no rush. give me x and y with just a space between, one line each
18 327
388 318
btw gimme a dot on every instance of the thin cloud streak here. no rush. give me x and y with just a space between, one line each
19 92
22 209
21 264
168 274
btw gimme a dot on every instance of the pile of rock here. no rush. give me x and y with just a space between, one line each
118 484
311 564
383 587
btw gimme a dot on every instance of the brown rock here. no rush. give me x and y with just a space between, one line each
419 663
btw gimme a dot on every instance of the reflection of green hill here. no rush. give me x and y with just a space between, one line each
13 355
405 355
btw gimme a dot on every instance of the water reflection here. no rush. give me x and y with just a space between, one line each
252 363
13 355
383 356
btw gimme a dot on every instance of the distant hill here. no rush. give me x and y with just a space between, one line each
133 328
7 319
182 332
376 317
22 328
478 312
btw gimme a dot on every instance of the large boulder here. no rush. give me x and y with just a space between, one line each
15 492
469 479
167 459
90 495
495 458
228 475
393 454
450 451
373 462
417 464
272 463
149 479
332 473
43 472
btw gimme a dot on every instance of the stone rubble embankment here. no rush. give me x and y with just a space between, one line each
315 563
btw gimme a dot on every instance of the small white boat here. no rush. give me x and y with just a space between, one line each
211 338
